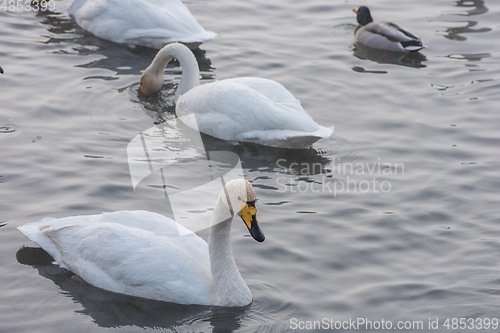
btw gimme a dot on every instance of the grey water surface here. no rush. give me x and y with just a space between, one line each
395 218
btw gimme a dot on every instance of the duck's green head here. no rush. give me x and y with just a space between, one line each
363 15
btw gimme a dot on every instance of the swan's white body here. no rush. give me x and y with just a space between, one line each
251 109
143 254
240 109
151 23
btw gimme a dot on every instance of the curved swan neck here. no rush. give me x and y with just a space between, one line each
229 287
190 72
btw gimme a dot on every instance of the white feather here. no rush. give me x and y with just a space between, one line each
151 23
239 109
143 254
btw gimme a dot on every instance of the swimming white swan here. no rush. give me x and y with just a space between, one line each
239 109
143 254
151 23
384 35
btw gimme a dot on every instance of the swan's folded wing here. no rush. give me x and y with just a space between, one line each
143 22
230 108
141 219
131 261
34 232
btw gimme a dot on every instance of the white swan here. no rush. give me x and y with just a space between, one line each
239 109
151 23
142 254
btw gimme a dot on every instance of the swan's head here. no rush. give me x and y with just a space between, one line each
363 15
242 197
151 80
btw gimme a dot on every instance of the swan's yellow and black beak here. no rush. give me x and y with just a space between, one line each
249 216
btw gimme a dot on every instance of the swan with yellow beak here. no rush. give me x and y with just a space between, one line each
148 255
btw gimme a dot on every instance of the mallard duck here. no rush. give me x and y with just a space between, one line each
144 254
383 35
151 23
240 109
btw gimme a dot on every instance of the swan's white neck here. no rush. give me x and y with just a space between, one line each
190 72
229 287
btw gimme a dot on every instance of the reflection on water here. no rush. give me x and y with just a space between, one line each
256 157
334 253
171 158
469 57
119 58
408 59
478 8
455 33
109 309
185 151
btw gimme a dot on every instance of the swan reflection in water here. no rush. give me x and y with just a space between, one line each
109 309
121 59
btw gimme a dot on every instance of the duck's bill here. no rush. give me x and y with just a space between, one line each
249 216
355 10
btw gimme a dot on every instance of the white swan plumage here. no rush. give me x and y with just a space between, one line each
239 109
148 255
151 23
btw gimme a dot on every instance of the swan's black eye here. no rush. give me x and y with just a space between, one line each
239 198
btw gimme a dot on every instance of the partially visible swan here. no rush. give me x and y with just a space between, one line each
151 23
383 35
239 109
143 254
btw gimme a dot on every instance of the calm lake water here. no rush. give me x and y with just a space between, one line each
394 218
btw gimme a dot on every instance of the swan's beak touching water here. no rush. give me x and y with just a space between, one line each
249 216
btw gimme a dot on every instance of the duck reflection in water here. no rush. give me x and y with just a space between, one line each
477 8
408 59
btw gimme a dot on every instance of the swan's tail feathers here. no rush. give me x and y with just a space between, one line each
324 132
205 36
199 37
307 139
34 232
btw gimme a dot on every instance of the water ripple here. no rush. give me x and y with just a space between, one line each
7 129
